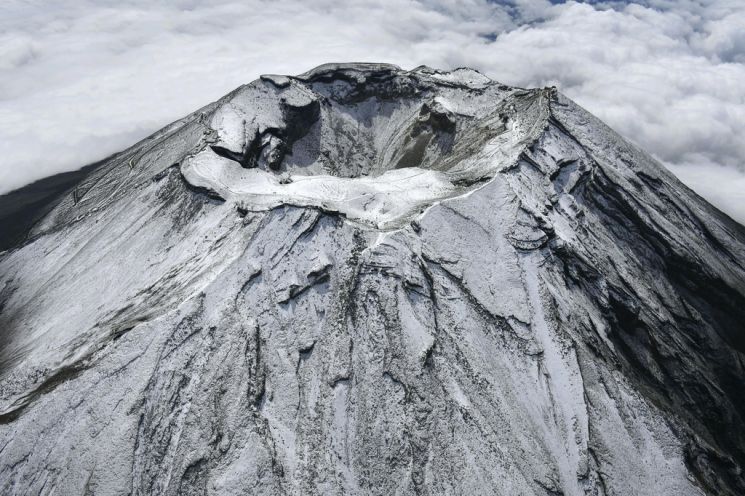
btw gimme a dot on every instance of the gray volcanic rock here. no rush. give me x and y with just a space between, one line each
365 280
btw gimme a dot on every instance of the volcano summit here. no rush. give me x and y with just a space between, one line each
366 280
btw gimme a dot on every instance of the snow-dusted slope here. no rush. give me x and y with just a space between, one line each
364 280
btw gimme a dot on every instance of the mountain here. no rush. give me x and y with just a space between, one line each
366 280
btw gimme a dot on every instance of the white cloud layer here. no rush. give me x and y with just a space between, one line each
80 79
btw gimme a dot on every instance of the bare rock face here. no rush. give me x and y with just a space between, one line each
364 280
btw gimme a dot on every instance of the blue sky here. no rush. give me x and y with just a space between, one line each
80 79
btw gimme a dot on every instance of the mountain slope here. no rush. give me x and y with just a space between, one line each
364 280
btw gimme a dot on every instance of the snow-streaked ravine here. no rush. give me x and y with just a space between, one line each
367 280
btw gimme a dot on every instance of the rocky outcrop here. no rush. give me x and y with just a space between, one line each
364 280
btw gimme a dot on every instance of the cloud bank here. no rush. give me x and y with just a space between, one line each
80 79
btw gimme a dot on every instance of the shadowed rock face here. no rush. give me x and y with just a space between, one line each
22 208
364 280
